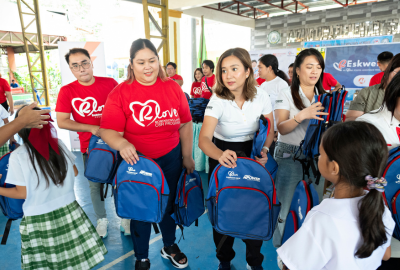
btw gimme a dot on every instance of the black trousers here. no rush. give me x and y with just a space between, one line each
253 247
391 264
5 105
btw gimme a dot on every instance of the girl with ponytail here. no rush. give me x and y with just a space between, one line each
353 229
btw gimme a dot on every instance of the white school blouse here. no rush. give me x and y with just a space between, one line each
273 87
285 102
329 238
387 124
39 199
390 128
235 124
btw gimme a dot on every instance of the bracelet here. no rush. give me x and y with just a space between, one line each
294 118
265 147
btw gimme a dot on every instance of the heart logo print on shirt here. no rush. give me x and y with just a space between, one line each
398 132
86 107
146 111
144 114
197 90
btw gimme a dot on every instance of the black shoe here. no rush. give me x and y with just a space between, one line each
139 265
224 266
174 249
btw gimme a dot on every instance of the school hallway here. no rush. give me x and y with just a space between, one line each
198 244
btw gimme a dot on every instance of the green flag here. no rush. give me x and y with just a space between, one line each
202 49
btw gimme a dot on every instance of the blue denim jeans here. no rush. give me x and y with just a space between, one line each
290 172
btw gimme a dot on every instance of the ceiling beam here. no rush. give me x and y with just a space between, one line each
283 7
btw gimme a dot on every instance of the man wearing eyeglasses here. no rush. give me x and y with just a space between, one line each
85 99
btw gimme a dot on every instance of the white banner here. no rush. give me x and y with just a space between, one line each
97 56
285 58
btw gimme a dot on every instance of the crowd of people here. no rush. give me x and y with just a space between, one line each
149 114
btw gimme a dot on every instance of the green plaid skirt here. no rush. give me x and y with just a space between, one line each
62 239
4 149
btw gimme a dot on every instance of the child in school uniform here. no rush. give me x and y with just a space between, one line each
353 229
55 231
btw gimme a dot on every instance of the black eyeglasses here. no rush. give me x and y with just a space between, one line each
76 67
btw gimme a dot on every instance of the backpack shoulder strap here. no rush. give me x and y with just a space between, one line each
205 79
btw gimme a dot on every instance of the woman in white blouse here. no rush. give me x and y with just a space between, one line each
231 119
294 108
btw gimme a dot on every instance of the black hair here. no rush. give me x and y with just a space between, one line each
12 80
136 46
55 168
75 51
270 60
210 64
253 61
194 73
295 86
291 65
360 150
385 57
171 64
392 93
393 64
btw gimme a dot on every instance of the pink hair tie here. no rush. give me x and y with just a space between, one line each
376 183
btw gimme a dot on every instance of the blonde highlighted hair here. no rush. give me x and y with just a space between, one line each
249 89
136 46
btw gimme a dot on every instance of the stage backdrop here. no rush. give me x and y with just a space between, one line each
97 55
285 58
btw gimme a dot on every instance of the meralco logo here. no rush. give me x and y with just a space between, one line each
131 171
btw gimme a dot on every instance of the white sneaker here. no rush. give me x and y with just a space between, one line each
102 226
125 226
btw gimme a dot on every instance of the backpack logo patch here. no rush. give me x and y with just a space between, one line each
251 178
189 181
398 179
131 171
146 173
232 176
300 215
100 141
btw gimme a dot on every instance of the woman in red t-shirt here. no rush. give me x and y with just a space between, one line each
150 114
196 85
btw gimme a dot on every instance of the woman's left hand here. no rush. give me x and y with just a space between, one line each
264 158
188 163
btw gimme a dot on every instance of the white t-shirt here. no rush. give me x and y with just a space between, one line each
235 124
329 238
386 124
3 115
39 199
273 88
285 102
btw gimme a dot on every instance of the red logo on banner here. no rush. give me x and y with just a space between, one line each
342 64
361 80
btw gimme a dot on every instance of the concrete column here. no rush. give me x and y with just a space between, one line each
194 45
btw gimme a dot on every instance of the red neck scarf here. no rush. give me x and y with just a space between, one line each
43 139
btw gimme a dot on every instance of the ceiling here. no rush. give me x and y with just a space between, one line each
263 8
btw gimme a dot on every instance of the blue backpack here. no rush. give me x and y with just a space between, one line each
304 199
333 104
242 202
189 199
141 191
391 194
11 208
101 164
197 108
258 142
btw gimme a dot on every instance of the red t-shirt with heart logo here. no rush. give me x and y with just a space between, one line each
150 116
196 90
205 92
85 103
